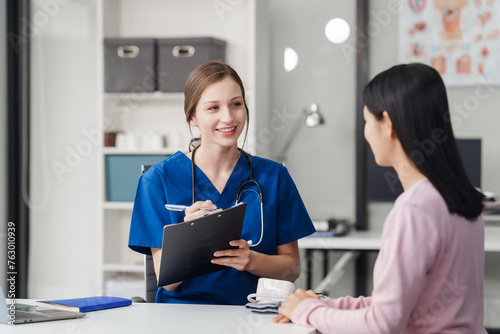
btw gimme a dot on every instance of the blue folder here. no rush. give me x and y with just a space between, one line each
86 304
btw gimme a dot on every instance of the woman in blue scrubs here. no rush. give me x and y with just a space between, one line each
215 103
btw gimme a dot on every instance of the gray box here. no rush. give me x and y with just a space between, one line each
177 57
130 65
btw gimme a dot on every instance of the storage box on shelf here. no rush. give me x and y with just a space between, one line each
151 64
130 64
177 57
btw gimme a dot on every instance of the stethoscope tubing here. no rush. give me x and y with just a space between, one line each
238 192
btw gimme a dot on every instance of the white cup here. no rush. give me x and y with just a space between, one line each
156 141
174 140
271 291
144 140
132 141
121 140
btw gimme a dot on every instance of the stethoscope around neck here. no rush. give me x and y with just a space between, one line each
239 192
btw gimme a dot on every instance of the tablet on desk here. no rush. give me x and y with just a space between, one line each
188 247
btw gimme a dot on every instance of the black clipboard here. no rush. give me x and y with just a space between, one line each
188 247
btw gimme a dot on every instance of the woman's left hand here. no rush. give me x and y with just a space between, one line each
236 258
287 307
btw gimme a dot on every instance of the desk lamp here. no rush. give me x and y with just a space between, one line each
312 117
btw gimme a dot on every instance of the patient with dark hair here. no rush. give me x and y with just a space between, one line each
428 276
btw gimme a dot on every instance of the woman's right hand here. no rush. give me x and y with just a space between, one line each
199 208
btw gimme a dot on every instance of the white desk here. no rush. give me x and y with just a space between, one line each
370 240
352 244
357 241
162 318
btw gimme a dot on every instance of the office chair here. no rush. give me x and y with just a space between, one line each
150 279
151 284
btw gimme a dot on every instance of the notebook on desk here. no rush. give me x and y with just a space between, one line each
14 313
188 247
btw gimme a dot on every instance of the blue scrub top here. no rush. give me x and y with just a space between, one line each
169 181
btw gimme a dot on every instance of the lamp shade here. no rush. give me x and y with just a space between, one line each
314 116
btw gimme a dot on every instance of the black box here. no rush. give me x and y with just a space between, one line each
130 65
177 57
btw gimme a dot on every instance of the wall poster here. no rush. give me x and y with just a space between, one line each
459 38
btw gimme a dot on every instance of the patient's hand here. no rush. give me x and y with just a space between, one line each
287 307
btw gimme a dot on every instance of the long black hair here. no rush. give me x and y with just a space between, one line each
415 98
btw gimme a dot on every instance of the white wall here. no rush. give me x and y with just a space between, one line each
65 83
321 160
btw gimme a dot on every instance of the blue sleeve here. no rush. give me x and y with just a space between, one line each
149 214
293 220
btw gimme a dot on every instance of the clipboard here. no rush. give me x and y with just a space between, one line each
188 247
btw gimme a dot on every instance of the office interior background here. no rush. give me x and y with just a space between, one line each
74 230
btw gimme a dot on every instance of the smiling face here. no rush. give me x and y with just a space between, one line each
220 113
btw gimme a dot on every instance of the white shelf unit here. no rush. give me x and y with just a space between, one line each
120 267
114 150
118 205
163 113
146 96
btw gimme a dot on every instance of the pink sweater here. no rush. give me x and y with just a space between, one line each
428 276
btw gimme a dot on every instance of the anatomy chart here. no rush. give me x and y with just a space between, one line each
459 38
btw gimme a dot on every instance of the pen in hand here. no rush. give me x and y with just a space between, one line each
177 207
